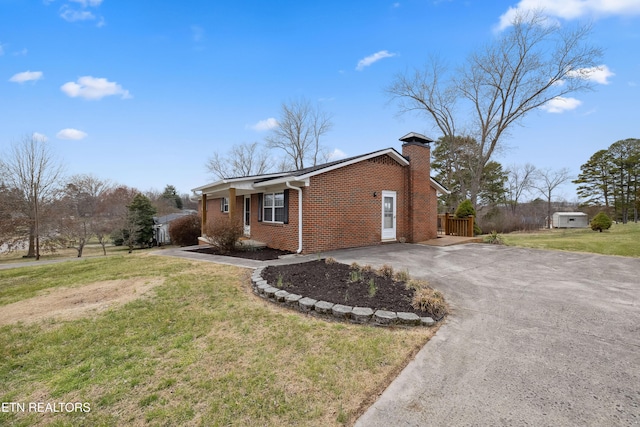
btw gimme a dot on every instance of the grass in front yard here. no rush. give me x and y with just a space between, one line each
620 239
199 350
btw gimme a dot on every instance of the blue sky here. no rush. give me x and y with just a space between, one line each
143 92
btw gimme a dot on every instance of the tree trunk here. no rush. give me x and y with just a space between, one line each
31 253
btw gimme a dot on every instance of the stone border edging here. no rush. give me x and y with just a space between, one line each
360 315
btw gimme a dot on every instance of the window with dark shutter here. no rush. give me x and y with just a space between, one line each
275 208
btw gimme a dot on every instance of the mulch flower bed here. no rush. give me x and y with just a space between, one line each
340 284
259 254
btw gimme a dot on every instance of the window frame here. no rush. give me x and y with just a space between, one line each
224 205
271 204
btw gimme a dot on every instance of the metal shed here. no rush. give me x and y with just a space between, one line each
570 220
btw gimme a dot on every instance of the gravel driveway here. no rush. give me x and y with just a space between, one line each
535 338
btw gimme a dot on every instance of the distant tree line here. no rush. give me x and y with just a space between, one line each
503 194
41 209
610 179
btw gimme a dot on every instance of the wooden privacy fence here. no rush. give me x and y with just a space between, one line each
452 226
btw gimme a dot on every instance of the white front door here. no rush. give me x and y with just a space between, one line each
246 215
388 215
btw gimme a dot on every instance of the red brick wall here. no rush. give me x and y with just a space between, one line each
278 236
340 210
422 198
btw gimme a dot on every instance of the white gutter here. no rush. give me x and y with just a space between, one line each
299 215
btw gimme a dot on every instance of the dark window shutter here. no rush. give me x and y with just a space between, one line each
260 207
286 207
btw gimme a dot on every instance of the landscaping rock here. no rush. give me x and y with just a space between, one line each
281 295
361 314
408 318
427 321
324 307
292 299
383 317
306 304
270 291
341 311
262 286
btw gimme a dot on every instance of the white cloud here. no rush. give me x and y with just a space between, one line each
266 124
373 58
571 9
26 76
89 87
561 104
70 15
85 3
70 133
40 136
336 154
598 74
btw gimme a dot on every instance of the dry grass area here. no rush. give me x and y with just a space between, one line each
148 340
75 303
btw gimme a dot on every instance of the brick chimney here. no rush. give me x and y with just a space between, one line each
423 202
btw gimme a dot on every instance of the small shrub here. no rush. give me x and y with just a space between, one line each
601 222
223 234
385 271
355 276
355 266
466 209
366 269
401 276
494 238
372 288
279 282
330 260
431 301
417 284
185 231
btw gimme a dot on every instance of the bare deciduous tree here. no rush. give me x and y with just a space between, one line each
241 160
530 64
520 179
546 181
14 219
78 214
301 126
31 168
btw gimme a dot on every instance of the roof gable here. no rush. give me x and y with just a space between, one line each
306 173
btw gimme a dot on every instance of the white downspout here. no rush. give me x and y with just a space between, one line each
299 215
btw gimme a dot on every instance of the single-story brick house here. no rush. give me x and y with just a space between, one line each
383 196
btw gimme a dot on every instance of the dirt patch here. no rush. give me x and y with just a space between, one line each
337 283
74 303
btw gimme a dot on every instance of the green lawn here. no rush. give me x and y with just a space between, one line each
199 349
621 239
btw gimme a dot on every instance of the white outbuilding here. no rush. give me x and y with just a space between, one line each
570 220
